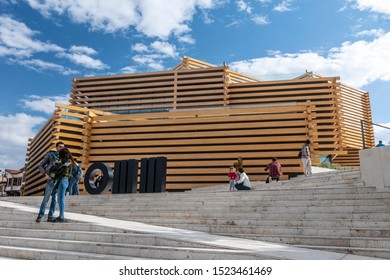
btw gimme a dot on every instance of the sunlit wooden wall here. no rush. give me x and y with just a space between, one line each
202 117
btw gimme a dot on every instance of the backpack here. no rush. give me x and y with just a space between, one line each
58 169
77 172
301 151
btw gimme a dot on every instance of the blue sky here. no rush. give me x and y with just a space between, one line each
46 43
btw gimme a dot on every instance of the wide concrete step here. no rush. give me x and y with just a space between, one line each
58 226
263 229
336 223
310 182
380 203
192 196
14 252
372 252
102 237
223 214
321 233
129 250
366 242
382 211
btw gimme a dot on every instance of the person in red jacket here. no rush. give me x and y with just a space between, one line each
274 170
232 175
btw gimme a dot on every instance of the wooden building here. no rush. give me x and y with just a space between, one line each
202 117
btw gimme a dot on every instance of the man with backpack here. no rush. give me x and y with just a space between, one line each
46 167
77 174
305 157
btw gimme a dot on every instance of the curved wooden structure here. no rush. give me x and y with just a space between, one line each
202 117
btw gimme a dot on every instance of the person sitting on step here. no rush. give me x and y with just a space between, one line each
243 183
275 170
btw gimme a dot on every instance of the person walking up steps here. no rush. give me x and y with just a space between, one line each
380 144
306 161
77 174
46 167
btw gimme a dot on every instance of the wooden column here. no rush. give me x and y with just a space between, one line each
88 119
175 91
311 128
226 82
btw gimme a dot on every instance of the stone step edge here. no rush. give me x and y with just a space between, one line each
55 253
136 246
238 235
354 238
132 234
183 226
331 248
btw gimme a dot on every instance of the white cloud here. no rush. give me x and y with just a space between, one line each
285 6
244 7
45 104
165 49
153 56
233 23
129 69
152 61
40 66
187 39
82 49
84 60
17 40
358 63
108 16
370 33
379 6
154 18
140 47
15 131
81 55
145 59
206 18
260 20
382 133
156 66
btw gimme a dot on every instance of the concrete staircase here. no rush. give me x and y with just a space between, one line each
326 216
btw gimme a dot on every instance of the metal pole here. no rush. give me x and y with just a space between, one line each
362 126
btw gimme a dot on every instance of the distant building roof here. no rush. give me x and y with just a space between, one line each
14 171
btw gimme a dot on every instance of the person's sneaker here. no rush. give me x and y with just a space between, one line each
58 220
50 219
38 220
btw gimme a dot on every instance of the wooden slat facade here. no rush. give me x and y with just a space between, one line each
202 117
201 144
355 108
68 124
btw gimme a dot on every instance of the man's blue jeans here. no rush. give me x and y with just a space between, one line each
64 182
74 186
241 187
49 191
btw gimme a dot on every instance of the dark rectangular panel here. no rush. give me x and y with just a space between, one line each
132 176
122 180
117 173
151 175
144 175
161 174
